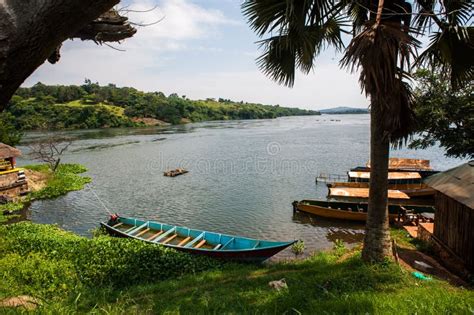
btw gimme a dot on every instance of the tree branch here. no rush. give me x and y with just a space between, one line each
30 31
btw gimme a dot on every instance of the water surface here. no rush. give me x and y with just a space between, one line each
243 175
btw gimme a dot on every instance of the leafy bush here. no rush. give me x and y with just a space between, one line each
98 261
33 274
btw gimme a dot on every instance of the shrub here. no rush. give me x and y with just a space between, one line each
34 274
102 260
65 179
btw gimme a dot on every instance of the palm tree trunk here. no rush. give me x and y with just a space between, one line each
377 243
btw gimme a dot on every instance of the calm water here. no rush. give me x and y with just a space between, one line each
243 175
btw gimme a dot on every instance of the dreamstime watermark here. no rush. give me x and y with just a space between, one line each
273 148
269 162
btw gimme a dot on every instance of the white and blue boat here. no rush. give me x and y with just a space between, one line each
195 241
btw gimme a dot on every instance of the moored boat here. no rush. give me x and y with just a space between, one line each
404 165
351 210
195 241
393 177
412 190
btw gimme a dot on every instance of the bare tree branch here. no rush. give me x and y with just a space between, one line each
50 151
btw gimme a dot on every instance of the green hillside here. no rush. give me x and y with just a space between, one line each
93 106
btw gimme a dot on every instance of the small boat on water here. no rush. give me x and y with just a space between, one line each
194 241
176 172
351 210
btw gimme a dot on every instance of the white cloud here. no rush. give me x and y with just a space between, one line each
151 63
179 20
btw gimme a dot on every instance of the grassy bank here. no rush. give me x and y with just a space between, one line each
66 178
71 274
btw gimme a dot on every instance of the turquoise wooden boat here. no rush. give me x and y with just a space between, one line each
194 241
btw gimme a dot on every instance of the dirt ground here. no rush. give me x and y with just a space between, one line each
411 258
36 180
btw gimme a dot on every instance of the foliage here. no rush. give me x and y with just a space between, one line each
444 115
66 178
68 261
298 247
9 134
7 209
339 247
118 276
95 106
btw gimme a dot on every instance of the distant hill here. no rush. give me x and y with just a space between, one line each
91 105
344 110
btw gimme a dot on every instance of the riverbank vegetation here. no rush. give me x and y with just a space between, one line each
444 115
68 273
47 184
93 106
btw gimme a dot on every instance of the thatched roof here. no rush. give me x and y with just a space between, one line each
457 183
7 151
407 164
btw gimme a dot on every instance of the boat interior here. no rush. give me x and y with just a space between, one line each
176 236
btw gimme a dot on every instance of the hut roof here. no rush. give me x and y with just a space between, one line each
407 164
7 151
457 183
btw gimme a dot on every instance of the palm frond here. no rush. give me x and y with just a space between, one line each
382 53
297 49
458 12
422 21
452 51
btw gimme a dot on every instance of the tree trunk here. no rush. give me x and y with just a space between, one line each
30 31
377 243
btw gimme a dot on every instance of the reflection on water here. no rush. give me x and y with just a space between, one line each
243 175
347 231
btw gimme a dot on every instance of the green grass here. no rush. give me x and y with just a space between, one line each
65 179
72 274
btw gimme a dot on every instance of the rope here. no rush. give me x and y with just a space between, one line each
103 205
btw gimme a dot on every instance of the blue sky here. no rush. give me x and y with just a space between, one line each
199 49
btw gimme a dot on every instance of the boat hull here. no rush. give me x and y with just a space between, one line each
338 214
353 211
241 255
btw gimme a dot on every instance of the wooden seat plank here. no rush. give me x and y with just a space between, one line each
200 244
142 232
154 236
184 241
172 237
117 225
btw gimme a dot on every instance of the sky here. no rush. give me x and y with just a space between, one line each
199 49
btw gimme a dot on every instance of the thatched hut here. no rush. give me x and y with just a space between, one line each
7 156
12 180
454 220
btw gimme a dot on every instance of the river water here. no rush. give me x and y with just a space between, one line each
243 175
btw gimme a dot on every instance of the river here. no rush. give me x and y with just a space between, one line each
243 175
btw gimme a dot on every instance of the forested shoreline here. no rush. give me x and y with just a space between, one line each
54 107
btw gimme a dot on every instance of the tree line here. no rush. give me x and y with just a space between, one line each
91 105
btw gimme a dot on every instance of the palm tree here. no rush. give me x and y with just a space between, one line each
384 49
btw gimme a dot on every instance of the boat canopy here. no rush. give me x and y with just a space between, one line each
349 192
407 164
391 175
